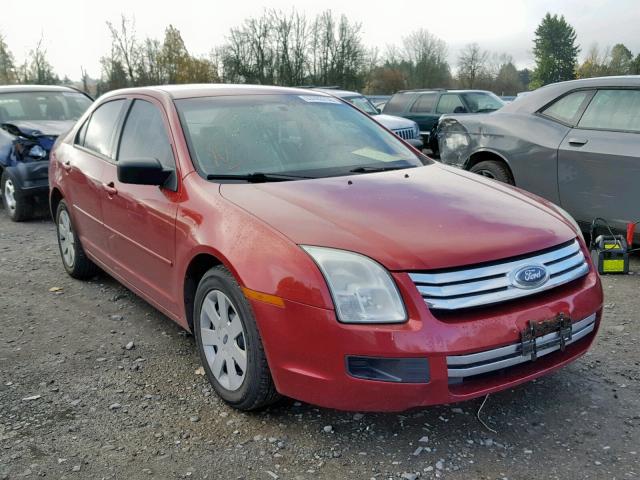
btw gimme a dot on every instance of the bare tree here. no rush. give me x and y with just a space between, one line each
40 70
125 46
472 65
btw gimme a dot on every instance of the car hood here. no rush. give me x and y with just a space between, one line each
430 217
394 123
41 127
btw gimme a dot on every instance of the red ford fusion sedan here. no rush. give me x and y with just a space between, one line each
316 255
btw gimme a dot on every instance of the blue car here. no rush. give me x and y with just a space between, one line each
31 119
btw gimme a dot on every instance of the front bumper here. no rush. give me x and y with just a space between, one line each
307 348
32 178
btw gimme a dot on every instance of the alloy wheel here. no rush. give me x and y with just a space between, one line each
223 340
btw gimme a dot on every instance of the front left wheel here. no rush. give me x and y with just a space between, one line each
229 343
17 206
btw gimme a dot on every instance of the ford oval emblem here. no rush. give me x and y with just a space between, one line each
530 276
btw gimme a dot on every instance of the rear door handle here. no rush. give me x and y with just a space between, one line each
110 188
578 141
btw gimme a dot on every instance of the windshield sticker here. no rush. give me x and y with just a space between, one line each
375 155
318 99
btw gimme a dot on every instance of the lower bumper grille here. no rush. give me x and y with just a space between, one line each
462 366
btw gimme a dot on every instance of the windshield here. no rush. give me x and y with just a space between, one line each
34 106
363 104
304 135
481 102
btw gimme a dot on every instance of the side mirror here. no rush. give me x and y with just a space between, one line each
379 110
143 171
459 110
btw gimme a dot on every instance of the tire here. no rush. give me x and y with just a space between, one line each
433 142
241 380
494 170
18 207
73 257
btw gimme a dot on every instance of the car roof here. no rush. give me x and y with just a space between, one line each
37 88
535 100
338 93
215 90
441 90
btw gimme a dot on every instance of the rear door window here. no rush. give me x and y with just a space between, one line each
613 110
398 103
450 103
145 136
567 109
101 128
425 103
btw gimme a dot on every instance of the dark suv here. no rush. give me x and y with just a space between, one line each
425 107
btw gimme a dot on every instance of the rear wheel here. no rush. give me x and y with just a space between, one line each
75 261
18 207
229 343
494 170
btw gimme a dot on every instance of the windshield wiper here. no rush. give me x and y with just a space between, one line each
378 169
256 177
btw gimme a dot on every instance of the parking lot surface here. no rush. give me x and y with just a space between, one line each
96 384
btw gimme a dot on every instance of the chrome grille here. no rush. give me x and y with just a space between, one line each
461 366
478 286
405 133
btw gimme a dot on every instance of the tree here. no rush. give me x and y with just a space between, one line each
621 61
39 71
555 51
125 49
174 57
472 65
635 66
386 80
7 65
595 64
426 56
525 78
508 81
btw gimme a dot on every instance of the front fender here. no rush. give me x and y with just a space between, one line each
30 174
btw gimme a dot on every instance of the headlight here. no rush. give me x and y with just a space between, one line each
566 215
37 152
362 290
416 130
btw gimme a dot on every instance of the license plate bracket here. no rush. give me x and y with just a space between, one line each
536 329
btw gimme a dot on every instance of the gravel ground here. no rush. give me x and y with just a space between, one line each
78 402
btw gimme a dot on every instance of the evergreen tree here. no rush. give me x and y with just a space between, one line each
555 51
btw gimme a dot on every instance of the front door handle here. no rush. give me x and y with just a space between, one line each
110 188
66 165
578 142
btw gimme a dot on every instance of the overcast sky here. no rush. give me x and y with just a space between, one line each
76 34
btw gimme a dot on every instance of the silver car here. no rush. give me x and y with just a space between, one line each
406 129
575 143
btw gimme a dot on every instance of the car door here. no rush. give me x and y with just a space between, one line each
421 112
450 103
599 160
140 219
83 165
